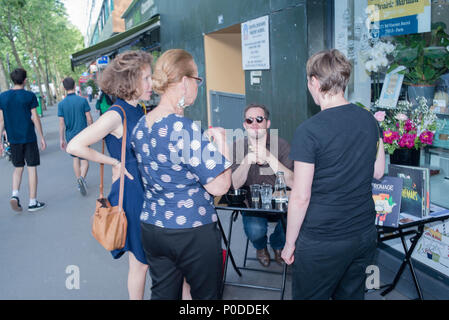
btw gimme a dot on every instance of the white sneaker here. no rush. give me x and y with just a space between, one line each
36 207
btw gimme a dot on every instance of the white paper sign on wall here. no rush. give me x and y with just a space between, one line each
256 44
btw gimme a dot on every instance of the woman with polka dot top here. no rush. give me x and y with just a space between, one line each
182 170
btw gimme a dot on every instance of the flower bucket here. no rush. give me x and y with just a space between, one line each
407 157
415 91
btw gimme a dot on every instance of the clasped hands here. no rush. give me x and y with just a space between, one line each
258 155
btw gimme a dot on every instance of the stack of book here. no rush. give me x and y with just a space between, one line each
402 196
415 189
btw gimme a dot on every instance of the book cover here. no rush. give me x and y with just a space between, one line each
415 189
387 195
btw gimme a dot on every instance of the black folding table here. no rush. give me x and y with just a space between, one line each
266 213
416 229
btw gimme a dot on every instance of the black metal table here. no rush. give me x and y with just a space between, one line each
416 229
266 213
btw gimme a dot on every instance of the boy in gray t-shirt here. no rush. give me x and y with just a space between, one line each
74 115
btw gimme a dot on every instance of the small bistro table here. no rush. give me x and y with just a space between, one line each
266 213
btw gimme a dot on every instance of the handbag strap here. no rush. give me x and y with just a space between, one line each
122 167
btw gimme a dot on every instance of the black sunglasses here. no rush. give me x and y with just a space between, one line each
259 119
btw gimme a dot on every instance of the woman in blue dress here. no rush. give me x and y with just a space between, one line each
181 172
128 77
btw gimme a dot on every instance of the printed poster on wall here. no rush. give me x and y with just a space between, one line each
398 17
256 44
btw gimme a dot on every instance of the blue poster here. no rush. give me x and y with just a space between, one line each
399 26
398 17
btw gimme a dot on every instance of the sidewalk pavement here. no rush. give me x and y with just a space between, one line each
46 254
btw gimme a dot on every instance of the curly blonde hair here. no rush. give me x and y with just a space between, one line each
170 67
122 76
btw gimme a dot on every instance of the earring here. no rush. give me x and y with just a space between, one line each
181 103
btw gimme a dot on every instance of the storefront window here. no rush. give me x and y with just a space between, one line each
351 37
363 28
95 36
380 36
106 9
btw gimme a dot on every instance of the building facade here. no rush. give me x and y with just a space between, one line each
105 19
138 12
211 32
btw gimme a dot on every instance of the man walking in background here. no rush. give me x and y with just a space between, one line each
19 117
89 92
74 115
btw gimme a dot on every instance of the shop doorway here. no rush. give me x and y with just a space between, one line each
225 78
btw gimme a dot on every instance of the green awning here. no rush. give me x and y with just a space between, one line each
108 46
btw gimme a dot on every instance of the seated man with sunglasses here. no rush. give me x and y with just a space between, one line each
262 158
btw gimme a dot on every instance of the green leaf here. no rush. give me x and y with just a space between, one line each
424 54
429 74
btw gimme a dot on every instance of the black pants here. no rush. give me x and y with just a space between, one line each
193 253
325 270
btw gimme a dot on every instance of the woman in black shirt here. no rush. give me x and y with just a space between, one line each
331 236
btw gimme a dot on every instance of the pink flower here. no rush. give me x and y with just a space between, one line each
426 137
401 117
390 136
407 140
380 116
409 126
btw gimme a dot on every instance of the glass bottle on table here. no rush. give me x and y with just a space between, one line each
280 191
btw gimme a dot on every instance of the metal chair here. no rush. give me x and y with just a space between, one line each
281 289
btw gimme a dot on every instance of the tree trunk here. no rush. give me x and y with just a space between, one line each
47 85
7 32
39 79
16 54
3 79
33 57
58 85
39 83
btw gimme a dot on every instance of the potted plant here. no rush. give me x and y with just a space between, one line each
426 58
406 129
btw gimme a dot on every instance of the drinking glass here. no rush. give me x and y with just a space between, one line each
266 193
255 195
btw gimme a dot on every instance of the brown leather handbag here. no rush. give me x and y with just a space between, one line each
109 223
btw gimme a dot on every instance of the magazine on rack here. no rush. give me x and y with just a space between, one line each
387 200
415 190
